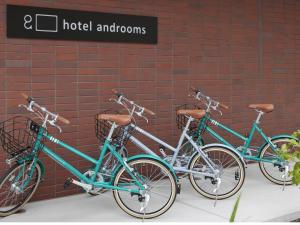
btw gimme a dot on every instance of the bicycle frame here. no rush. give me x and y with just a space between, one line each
97 163
247 140
176 150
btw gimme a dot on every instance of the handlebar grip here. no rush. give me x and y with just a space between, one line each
63 120
223 106
118 94
149 111
194 89
26 97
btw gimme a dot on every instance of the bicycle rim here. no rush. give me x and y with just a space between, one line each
270 170
161 189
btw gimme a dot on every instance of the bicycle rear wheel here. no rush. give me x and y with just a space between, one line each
160 189
232 173
272 171
12 195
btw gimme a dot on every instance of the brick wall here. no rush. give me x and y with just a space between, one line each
238 51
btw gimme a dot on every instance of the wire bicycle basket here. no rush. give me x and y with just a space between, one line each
120 135
181 120
18 136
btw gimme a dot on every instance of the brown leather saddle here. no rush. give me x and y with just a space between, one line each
262 107
121 120
195 113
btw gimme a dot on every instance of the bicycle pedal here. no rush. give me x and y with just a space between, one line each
68 182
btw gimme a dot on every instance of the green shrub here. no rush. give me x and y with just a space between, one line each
291 152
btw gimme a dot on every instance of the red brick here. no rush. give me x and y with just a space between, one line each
226 53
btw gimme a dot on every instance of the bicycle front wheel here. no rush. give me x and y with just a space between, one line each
160 188
14 194
231 173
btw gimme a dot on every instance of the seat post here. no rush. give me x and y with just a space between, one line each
113 126
260 114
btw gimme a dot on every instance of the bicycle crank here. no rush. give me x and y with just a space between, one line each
85 186
99 178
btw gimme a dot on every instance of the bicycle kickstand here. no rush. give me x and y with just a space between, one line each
286 171
216 191
144 205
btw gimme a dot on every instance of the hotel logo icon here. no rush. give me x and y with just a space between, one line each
46 23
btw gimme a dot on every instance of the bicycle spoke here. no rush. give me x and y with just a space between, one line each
12 199
228 167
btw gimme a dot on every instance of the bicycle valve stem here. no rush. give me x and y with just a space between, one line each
163 152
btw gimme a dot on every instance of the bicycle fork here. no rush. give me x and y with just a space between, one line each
213 167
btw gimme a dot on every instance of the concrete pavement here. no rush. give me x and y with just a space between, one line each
260 201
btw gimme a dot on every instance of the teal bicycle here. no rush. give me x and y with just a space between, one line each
272 166
143 185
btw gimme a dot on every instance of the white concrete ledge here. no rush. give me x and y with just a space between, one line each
260 201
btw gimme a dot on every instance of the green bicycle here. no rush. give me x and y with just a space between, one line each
143 185
272 166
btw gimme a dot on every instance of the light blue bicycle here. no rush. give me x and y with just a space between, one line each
215 171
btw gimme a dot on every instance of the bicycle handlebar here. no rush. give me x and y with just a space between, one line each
43 109
211 103
132 103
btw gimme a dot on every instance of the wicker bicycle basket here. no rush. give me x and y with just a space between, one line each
120 135
18 135
181 120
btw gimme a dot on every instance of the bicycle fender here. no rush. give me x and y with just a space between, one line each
222 146
140 156
284 136
41 164
275 138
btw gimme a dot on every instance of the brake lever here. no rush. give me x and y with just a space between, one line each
145 118
121 103
215 107
52 123
140 115
192 95
29 108
114 100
